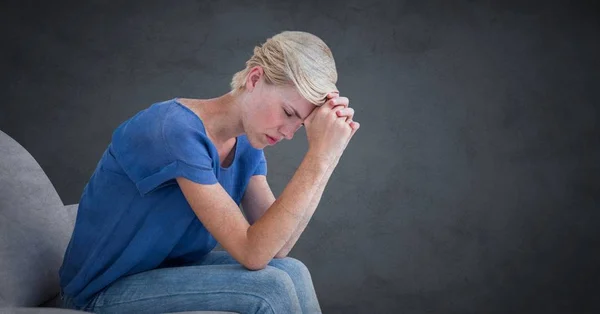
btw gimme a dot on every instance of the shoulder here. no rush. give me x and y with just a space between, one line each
168 113
141 130
163 128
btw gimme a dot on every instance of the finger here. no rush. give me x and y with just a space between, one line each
354 127
345 112
343 116
332 95
353 124
338 107
338 101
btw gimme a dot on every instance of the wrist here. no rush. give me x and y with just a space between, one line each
321 161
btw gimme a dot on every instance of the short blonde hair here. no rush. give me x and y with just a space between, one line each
294 58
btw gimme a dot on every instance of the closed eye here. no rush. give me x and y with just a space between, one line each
287 113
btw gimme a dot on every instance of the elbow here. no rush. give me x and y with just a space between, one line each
258 264
280 255
253 261
254 265
254 256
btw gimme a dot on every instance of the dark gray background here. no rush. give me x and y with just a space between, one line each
471 186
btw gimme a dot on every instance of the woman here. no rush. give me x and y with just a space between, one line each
169 186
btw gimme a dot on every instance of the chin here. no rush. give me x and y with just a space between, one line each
254 144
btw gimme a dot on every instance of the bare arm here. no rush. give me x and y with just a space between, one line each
310 210
259 197
254 246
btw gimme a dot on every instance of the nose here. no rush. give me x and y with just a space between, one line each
288 131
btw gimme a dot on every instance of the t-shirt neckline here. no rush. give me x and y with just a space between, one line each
237 139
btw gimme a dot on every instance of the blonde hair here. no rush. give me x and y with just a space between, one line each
293 58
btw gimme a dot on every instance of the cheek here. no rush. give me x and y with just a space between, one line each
269 119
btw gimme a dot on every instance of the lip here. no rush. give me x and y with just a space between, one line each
272 141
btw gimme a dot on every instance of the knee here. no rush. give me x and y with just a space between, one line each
276 289
271 277
292 266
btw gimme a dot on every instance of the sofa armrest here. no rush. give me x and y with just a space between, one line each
72 213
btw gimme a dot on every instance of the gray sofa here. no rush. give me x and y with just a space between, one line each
35 228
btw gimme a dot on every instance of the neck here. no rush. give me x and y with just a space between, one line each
222 117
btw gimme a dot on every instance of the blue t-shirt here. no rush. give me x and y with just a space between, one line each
132 215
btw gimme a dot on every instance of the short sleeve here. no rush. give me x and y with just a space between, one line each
261 168
161 144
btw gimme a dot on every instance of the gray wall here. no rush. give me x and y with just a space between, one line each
471 186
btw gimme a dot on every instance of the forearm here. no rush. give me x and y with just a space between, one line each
310 210
269 234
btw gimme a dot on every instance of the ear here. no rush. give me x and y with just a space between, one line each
253 77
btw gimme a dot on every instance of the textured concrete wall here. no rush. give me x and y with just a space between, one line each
471 186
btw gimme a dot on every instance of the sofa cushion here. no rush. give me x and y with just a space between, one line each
34 228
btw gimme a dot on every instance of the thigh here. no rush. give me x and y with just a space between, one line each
226 287
297 271
288 264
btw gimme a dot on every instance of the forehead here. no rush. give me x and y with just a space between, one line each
290 96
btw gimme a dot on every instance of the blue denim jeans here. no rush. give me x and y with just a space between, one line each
217 282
